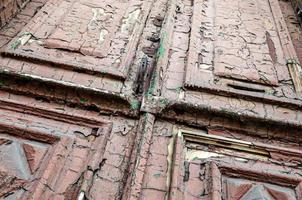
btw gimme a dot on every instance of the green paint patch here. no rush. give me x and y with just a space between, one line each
270 92
228 112
291 61
163 101
225 111
195 158
162 50
152 86
157 175
83 100
2 83
178 89
23 39
221 34
16 44
135 105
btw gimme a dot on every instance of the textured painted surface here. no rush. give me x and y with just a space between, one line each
103 40
245 45
218 48
201 171
293 26
58 152
159 99
77 74
231 95
8 8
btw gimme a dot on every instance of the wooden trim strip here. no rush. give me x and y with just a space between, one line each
287 45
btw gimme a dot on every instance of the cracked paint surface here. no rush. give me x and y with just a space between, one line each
245 43
58 158
193 73
216 41
157 99
103 40
213 172
8 8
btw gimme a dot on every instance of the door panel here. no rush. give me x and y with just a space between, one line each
240 46
103 40
236 188
50 157
8 8
213 167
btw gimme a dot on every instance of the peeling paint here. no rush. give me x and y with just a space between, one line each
162 50
170 161
103 34
130 20
135 105
157 175
96 14
192 155
145 162
81 196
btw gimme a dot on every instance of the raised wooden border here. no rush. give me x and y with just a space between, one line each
216 170
15 51
49 174
290 55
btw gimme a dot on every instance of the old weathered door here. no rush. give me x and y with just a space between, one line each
152 99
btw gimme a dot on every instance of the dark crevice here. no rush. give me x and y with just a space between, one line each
240 87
